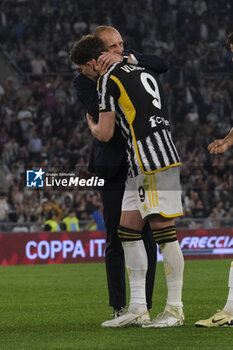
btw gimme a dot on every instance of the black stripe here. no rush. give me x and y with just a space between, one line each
130 239
168 230
167 240
128 235
164 234
128 230
166 148
174 149
159 230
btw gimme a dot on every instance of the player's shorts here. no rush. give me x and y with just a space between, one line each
158 193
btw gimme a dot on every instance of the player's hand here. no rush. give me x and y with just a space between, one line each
218 146
90 120
106 59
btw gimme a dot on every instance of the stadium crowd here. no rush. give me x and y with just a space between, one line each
44 126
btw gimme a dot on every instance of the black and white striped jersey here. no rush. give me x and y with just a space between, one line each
137 97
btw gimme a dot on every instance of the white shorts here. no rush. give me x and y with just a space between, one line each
158 193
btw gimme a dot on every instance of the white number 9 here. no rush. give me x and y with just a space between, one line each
153 92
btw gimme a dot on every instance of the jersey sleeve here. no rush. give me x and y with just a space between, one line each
108 94
157 64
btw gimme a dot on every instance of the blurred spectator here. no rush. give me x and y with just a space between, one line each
71 223
218 211
51 208
51 224
97 221
39 65
199 212
4 208
200 7
35 146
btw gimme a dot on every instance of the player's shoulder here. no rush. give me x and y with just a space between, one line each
78 78
112 70
81 80
105 78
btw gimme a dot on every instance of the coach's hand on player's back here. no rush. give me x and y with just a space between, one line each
218 146
90 120
106 59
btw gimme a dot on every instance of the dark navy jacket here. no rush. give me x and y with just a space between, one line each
108 159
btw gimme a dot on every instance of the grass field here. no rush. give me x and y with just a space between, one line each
62 306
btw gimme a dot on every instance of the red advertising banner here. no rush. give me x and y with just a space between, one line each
206 244
82 247
51 248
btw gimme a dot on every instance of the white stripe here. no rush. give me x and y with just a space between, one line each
132 172
123 112
112 104
124 128
123 121
222 251
133 159
129 159
153 153
170 136
104 84
142 155
161 147
129 145
136 161
168 141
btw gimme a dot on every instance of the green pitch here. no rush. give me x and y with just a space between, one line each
62 306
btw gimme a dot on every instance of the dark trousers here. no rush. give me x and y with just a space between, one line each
112 196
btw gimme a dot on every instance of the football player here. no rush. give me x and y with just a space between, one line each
223 318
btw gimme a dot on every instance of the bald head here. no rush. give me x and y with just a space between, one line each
100 29
111 38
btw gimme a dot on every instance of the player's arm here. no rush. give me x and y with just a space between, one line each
104 129
157 64
108 96
221 145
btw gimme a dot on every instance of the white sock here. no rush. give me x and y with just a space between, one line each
229 304
174 267
136 264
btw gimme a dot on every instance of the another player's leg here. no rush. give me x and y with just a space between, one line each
223 318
